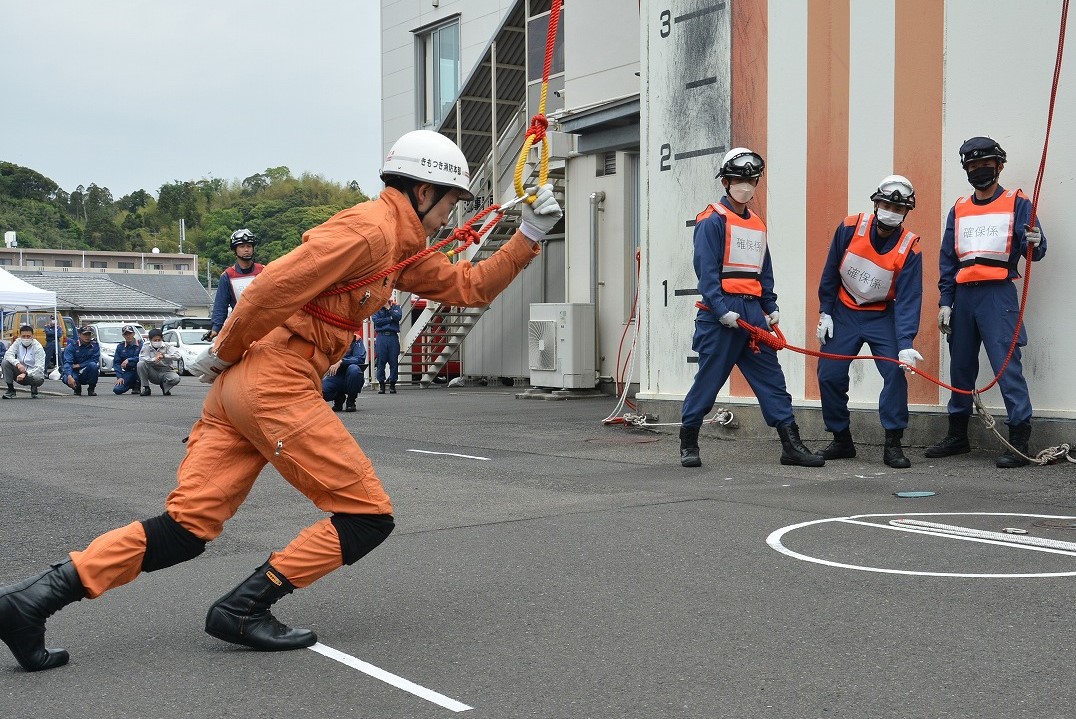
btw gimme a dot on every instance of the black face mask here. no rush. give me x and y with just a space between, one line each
982 177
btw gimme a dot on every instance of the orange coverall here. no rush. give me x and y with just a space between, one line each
268 407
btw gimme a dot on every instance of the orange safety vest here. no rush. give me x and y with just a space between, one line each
745 251
982 237
869 279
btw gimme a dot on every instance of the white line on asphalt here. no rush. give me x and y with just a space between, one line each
450 454
390 678
947 535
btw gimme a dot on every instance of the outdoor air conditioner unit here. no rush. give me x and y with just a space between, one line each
561 344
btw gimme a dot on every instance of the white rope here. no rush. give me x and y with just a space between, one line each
982 534
1050 455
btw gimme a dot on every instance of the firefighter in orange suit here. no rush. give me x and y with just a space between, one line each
732 263
871 292
265 406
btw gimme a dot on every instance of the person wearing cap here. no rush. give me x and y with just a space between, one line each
265 406
24 363
387 345
871 292
234 279
157 361
732 263
985 236
344 379
82 360
125 362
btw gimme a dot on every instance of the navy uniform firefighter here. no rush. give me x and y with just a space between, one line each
235 279
54 343
125 362
732 263
387 345
344 379
82 362
986 234
871 292
265 406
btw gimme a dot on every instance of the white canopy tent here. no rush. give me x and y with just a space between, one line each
17 294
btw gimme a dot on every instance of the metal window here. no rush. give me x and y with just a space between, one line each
439 72
606 164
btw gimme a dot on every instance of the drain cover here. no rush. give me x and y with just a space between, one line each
906 495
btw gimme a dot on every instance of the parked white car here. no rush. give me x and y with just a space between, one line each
190 344
108 335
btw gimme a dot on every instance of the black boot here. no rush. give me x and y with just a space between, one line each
1019 434
242 616
893 455
381 388
392 388
689 447
10 394
842 446
792 450
93 391
350 406
955 442
146 392
25 606
338 404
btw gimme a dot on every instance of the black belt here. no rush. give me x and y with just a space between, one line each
388 333
980 283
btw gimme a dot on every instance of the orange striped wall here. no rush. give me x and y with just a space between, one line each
918 154
827 148
749 88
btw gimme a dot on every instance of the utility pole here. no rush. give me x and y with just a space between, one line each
182 233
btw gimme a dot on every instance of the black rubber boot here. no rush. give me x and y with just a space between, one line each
350 406
381 388
146 392
93 390
689 447
892 454
955 442
10 394
392 388
792 449
338 404
25 606
842 446
242 616
1019 434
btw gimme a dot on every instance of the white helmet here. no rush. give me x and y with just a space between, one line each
741 162
897 190
431 157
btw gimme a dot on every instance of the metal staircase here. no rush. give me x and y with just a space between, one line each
489 122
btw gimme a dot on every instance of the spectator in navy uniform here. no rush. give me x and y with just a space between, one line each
235 279
125 363
344 379
82 362
54 338
157 364
24 362
387 345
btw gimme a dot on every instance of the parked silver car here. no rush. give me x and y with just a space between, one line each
190 344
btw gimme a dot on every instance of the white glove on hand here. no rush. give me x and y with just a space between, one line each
1033 235
945 320
208 366
540 216
825 328
773 318
729 320
909 357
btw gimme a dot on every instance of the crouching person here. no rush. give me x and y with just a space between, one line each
344 379
82 362
157 364
125 362
24 362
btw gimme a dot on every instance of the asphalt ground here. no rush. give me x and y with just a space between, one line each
576 571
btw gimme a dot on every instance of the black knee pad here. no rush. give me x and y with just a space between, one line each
168 543
360 533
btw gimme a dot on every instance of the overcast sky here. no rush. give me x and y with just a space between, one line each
133 94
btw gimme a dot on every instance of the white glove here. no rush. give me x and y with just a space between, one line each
909 357
945 320
825 328
729 320
540 216
1033 235
773 318
208 366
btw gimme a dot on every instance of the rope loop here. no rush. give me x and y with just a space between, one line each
539 125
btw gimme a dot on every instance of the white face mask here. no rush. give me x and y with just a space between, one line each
889 219
742 192
26 342
156 344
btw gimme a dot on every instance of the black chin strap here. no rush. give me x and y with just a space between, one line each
439 193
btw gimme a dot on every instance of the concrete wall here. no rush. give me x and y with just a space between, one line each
836 95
